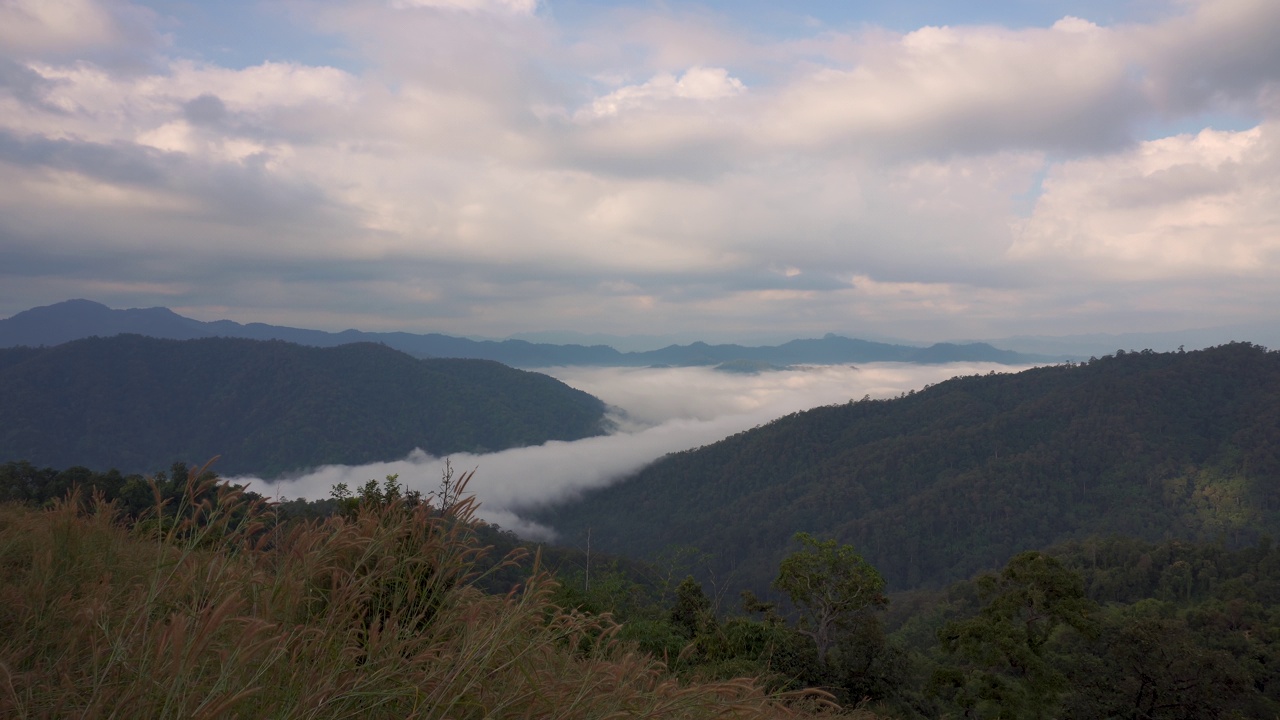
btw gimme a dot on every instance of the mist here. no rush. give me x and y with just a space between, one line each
655 411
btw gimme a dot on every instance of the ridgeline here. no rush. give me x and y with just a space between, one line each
78 319
269 407
939 484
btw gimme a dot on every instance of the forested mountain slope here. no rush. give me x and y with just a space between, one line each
138 404
941 483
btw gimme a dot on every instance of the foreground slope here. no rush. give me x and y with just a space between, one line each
936 485
139 404
373 614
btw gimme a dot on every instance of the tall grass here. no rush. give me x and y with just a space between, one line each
207 610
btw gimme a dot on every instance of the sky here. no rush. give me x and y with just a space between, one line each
920 170
657 411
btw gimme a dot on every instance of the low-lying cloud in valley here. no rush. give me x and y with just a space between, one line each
657 411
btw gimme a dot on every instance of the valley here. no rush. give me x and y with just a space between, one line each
1126 502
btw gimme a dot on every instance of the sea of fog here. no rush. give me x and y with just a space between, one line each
656 411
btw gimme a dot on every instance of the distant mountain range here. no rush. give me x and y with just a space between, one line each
139 404
941 483
76 319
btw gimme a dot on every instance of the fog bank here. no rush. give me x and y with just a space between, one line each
657 411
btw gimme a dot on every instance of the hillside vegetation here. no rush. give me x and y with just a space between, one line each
385 602
207 609
269 407
936 485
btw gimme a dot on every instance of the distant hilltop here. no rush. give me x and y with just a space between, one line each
63 322
269 408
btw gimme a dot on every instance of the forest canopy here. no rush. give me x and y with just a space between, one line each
959 477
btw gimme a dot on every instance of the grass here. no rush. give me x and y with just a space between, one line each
207 610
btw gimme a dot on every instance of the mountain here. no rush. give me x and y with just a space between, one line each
1262 333
830 350
76 319
139 404
938 484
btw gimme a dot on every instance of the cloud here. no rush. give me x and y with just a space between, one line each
1220 53
697 83
206 109
1184 206
661 411
1073 87
116 33
516 7
26 86
494 167
947 90
37 26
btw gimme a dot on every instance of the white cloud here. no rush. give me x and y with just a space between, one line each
517 7
115 33
1184 206
38 26
968 90
697 83
667 410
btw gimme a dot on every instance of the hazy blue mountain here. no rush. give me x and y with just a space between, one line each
139 404
75 319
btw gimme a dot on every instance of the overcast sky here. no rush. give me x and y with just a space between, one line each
924 170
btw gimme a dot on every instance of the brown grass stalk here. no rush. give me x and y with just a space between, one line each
200 612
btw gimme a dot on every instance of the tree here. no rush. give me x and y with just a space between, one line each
373 494
1003 668
1148 663
692 610
831 585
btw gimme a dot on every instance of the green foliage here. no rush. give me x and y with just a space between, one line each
691 614
1003 669
1124 628
832 585
268 408
1147 662
131 496
374 494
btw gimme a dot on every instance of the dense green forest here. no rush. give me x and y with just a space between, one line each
269 407
959 477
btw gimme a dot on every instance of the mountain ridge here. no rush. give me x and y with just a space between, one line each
953 479
138 404
77 319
